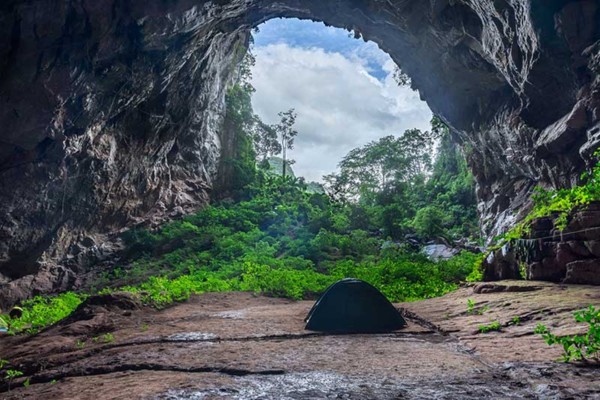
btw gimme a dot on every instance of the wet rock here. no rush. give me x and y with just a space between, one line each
49 278
579 248
594 247
268 355
482 288
439 251
583 271
565 248
560 135
501 264
95 315
549 269
564 255
98 304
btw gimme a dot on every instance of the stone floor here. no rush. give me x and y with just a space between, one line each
241 346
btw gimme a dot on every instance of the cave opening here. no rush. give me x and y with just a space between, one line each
344 90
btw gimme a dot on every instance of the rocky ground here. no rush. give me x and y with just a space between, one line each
241 346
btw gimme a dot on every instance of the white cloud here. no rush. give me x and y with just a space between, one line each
340 105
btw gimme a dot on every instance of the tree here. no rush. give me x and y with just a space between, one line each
286 132
266 142
381 165
401 78
396 187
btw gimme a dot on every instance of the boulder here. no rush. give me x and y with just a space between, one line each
584 272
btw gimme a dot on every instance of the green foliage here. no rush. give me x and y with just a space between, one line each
472 310
104 338
516 320
238 161
491 327
80 344
395 186
559 203
280 239
429 222
470 306
10 375
286 132
584 347
40 312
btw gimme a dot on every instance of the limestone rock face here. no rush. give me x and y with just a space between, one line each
111 110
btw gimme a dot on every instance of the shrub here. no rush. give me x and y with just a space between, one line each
491 327
40 312
584 347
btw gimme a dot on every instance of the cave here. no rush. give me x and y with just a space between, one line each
112 111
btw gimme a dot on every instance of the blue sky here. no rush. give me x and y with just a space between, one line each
342 89
308 34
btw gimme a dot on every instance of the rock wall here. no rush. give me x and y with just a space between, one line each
569 254
111 110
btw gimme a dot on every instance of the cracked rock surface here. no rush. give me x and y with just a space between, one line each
240 346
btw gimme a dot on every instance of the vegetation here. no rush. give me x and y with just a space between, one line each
282 241
397 188
584 347
272 235
10 374
471 307
559 203
104 338
286 132
491 327
41 311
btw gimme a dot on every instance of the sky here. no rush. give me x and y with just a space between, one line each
341 88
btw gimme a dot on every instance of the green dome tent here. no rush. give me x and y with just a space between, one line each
353 306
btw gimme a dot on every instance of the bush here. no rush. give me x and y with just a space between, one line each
577 347
40 312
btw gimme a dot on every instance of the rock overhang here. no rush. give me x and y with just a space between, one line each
112 110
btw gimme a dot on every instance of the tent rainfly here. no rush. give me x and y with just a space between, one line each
353 306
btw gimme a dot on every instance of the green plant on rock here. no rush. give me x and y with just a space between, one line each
41 311
10 375
104 338
584 347
470 306
491 327
559 203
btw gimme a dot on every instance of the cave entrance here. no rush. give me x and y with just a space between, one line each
344 90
